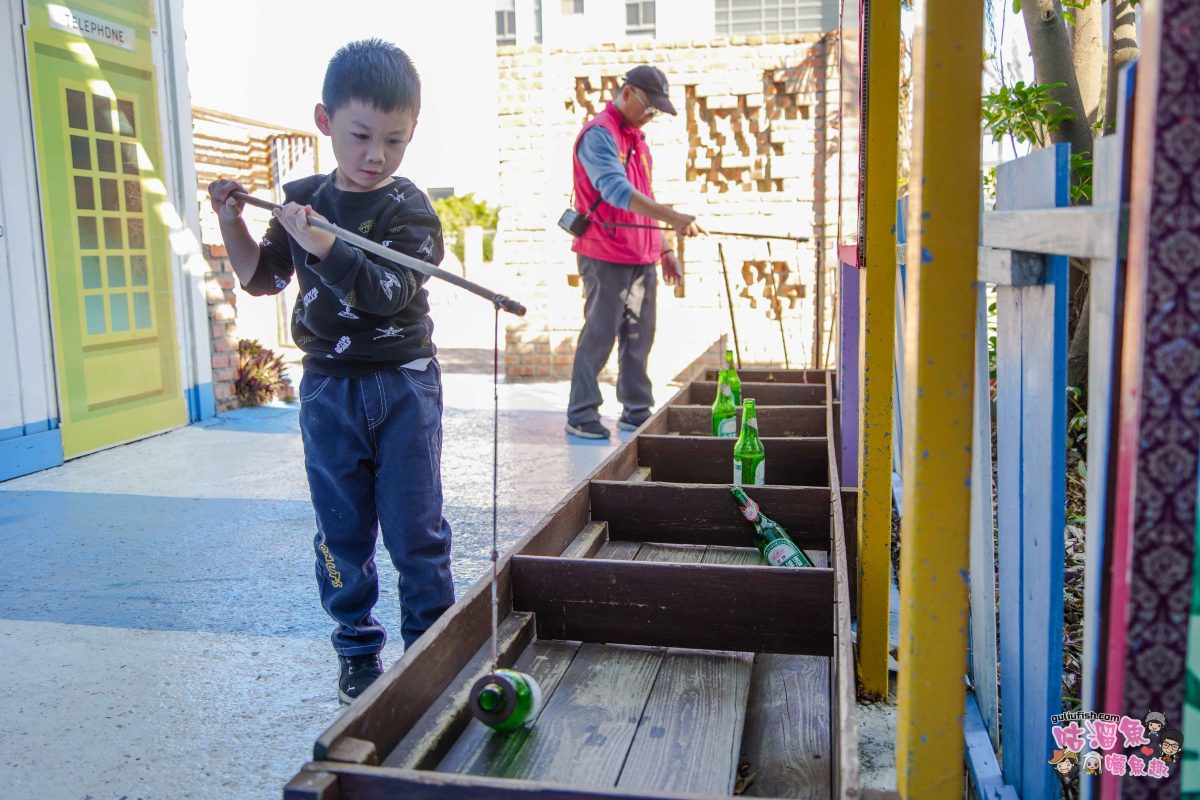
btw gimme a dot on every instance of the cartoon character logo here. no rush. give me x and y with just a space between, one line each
1066 764
1155 721
1171 744
1092 763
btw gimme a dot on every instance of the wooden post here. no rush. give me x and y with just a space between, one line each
942 258
1153 525
882 60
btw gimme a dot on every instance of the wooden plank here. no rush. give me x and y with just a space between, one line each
560 526
986 778
1080 232
1039 180
640 475
689 735
619 551
438 728
584 732
943 228
846 432
763 394
353 751
672 513
773 375
388 783
1008 268
788 738
691 420
483 751
844 698
703 459
312 786
701 606
850 535
671 553
734 556
982 547
589 540
390 707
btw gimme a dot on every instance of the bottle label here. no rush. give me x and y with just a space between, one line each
755 479
750 512
753 423
727 427
782 553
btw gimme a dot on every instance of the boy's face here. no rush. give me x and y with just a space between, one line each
1170 747
1063 766
368 144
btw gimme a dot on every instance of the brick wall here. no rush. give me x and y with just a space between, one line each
219 284
754 148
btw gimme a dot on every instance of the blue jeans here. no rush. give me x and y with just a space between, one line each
373 453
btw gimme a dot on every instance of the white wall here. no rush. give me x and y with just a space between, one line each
685 19
27 390
266 60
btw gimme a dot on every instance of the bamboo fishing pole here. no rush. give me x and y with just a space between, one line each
737 349
498 300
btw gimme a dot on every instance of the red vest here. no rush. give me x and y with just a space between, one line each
606 243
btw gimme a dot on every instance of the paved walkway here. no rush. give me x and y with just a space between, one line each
161 634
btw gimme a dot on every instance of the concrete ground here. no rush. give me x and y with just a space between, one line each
161 632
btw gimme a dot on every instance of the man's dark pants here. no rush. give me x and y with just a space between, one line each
373 452
619 305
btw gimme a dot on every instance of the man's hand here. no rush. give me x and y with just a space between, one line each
294 219
220 194
684 224
672 269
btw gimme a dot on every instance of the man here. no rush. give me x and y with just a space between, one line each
612 171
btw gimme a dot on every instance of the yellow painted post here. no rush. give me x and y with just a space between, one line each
878 338
943 231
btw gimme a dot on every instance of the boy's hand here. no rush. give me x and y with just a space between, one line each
228 207
294 219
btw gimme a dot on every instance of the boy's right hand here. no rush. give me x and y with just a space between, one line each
228 207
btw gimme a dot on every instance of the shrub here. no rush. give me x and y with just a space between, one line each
459 211
260 374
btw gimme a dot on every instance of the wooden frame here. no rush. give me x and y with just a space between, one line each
592 582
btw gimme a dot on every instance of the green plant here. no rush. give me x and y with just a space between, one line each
1027 112
458 212
260 374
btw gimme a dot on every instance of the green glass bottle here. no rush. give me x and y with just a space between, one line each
749 459
769 536
731 377
724 414
506 699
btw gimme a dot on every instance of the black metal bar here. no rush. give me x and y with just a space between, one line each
362 242
737 348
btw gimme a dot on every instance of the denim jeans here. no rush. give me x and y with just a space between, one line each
619 304
373 453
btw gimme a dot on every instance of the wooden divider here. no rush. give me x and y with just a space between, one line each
763 394
703 459
699 606
673 513
769 375
695 420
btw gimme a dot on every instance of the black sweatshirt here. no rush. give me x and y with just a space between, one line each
356 313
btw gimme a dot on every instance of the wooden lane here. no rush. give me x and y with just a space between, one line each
804 421
763 394
787 737
703 459
697 606
706 514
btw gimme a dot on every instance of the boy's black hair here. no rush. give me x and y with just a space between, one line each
1173 734
371 71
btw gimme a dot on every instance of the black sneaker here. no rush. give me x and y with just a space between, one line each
355 674
631 422
588 430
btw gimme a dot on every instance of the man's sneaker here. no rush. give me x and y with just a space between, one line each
588 430
631 422
355 674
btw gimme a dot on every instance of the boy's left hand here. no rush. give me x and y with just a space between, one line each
294 219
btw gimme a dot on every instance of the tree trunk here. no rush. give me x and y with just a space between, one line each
1052 63
1122 48
1087 40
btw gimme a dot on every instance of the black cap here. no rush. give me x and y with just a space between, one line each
651 81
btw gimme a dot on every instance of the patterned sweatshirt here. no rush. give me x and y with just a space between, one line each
356 314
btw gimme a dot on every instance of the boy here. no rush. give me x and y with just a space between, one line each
371 396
